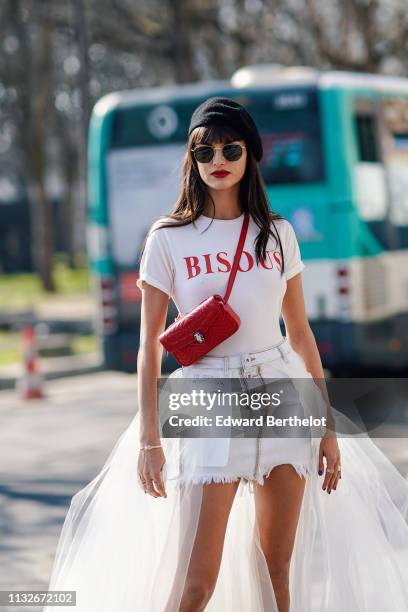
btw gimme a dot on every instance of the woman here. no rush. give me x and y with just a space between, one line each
185 539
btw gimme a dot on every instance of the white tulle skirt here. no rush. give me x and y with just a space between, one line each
124 551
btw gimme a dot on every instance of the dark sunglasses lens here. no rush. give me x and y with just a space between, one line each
232 152
203 154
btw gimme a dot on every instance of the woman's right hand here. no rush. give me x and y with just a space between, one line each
150 469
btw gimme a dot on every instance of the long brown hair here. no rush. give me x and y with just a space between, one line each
252 194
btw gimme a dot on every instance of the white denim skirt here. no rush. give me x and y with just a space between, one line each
121 549
251 459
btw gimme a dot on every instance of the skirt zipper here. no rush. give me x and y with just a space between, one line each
257 455
258 440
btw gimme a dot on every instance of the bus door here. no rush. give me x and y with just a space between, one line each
380 254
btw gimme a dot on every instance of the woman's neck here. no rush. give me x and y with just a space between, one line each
226 204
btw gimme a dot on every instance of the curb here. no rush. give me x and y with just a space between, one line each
91 365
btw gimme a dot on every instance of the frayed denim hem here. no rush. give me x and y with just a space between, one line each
246 479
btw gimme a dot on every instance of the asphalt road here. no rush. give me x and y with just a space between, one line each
51 448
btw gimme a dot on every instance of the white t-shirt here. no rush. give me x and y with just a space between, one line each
190 264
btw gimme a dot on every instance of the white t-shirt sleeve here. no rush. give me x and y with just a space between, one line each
156 266
291 252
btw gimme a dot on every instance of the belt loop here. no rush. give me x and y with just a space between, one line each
283 354
242 380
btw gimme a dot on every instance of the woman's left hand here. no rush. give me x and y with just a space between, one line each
329 448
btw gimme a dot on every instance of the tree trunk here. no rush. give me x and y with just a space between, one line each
41 101
33 82
68 158
183 53
80 218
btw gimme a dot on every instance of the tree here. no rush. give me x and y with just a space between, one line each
58 57
29 77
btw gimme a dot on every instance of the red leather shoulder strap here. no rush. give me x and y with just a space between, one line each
237 257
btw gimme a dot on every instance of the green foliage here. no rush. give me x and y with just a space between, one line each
10 346
10 350
24 291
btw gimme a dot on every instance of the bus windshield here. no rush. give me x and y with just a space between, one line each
144 157
289 123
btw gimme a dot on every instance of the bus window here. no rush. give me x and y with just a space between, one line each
370 178
381 169
289 123
396 163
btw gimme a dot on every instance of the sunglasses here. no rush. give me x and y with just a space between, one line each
204 153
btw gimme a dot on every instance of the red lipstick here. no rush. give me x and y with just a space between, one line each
220 173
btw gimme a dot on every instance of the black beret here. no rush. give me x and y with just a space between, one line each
227 112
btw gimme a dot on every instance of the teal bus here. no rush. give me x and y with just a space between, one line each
335 165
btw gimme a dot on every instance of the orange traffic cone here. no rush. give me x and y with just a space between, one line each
30 384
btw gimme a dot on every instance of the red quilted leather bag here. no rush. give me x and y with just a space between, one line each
194 334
